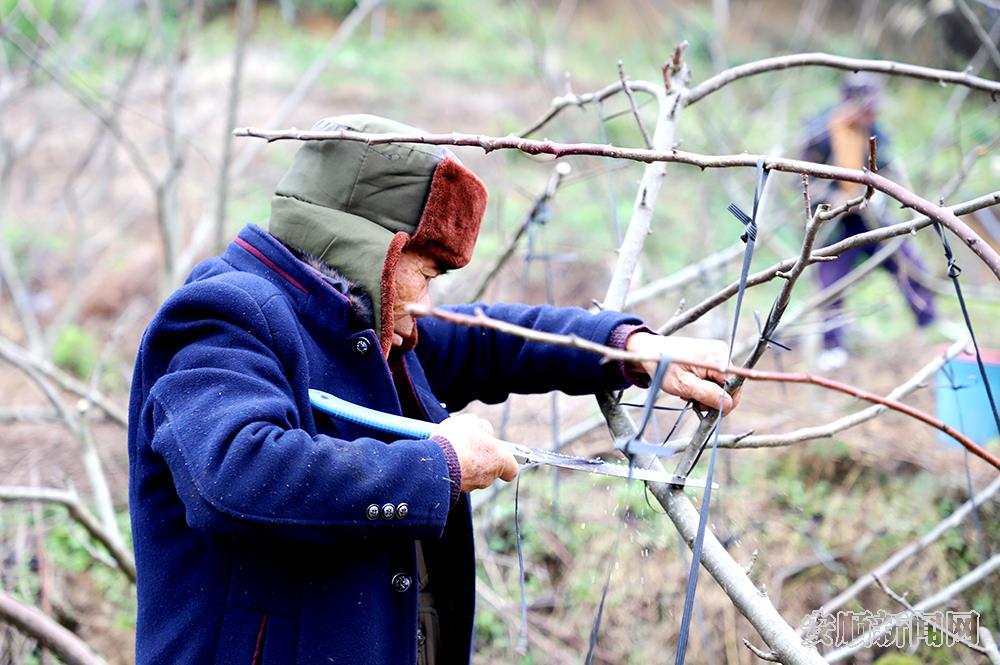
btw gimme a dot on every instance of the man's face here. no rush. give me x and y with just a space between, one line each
414 272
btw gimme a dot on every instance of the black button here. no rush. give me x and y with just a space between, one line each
401 582
402 510
372 512
388 511
362 346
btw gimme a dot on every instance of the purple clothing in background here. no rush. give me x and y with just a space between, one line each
903 266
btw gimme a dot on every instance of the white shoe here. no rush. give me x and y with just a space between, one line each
832 359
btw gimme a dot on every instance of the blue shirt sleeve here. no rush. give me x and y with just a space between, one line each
465 364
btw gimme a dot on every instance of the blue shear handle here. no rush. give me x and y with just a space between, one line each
362 415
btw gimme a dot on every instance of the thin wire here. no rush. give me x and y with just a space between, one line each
647 414
522 641
595 629
948 371
953 272
749 236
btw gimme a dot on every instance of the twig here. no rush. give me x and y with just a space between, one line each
36 416
920 616
977 27
644 204
709 422
18 356
77 426
78 512
975 576
841 424
868 237
111 122
968 161
203 231
758 610
481 320
32 622
561 170
533 147
986 638
683 276
769 656
570 99
631 104
244 14
805 196
913 548
722 79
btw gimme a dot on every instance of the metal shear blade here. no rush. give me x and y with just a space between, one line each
601 467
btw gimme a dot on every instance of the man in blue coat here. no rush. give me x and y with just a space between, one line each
266 532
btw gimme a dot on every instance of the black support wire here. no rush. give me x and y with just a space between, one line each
953 273
749 237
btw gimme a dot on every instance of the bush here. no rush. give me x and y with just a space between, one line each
75 351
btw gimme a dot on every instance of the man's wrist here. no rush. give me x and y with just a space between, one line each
454 468
620 338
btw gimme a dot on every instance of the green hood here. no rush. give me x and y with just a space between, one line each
355 206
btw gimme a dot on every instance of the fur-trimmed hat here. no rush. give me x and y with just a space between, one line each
356 206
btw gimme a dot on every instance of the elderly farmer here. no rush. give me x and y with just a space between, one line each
266 532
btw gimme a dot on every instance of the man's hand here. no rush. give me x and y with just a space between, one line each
693 383
481 457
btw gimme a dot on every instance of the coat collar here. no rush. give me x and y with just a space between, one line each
257 252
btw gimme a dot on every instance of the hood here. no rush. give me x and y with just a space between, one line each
356 206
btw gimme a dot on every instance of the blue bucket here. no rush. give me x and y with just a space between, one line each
967 409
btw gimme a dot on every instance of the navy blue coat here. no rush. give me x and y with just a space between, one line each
252 514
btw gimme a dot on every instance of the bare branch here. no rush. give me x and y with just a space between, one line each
561 170
823 213
78 512
244 13
920 616
868 237
913 548
533 147
559 104
18 356
977 27
975 576
611 353
986 637
33 622
838 62
841 424
111 122
631 104
37 416
769 656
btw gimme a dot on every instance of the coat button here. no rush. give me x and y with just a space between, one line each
401 582
388 511
402 510
362 346
372 512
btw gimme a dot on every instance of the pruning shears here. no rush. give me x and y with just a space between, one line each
418 429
